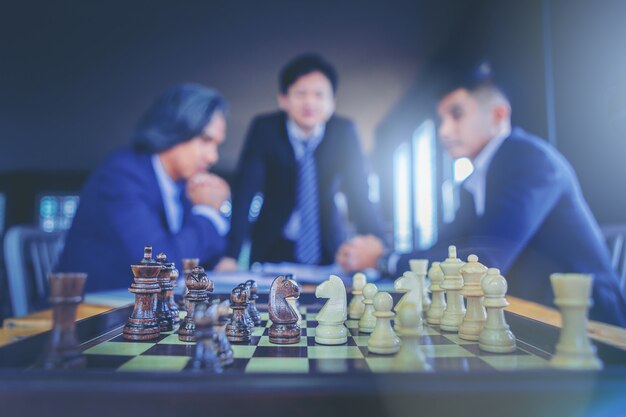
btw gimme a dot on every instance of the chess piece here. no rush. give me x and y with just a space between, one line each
367 322
225 351
142 324
252 309
198 287
187 264
163 312
420 268
438 304
246 314
293 301
473 272
411 285
452 283
238 329
572 294
356 307
331 318
284 329
495 336
205 358
410 358
174 310
62 350
383 339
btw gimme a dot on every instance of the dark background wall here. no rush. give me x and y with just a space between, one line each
75 77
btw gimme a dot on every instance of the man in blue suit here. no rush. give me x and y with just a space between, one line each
521 210
158 193
299 158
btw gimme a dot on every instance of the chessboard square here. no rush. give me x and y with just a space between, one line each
434 340
458 364
237 367
454 338
441 351
361 340
476 350
380 363
430 331
119 348
334 352
338 366
174 340
265 316
352 324
155 363
171 350
280 351
258 331
243 352
353 332
296 365
515 362
107 362
312 317
302 309
265 341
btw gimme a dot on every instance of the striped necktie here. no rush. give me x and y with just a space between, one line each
308 247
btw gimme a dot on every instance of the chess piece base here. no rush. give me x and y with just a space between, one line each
284 334
331 334
497 341
571 359
141 329
383 350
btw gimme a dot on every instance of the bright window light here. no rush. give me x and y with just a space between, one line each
403 236
424 169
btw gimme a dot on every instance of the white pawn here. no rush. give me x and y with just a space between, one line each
411 285
438 305
331 318
452 283
420 268
411 357
383 339
367 322
473 272
495 336
572 294
356 308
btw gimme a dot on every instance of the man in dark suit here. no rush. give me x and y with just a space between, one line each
299 158
156 193
521 210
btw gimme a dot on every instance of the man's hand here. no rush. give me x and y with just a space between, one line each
208 189
359 253
226 264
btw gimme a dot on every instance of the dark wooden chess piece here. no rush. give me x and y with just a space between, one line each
163 312
238 330
252 309
62 351
142 324
198 287
174 310
246 314
205 358
285 329
225 351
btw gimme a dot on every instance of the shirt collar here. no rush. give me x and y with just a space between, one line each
167 185
297 133
482 160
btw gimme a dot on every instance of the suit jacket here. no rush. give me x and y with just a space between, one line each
121 211
536 222
268 165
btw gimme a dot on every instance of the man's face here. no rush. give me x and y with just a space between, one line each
466 125
198 154
309 101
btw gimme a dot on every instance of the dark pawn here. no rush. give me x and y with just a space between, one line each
284 329
206 358
198 287
175 312
246 314
225 351
187 264
62 351
252 309
142 324
238 330
163 312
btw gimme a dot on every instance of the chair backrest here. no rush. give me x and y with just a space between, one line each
615 237
30 254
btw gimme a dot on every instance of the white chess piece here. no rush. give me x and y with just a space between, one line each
420 268
410 357
452 283
411 285
438 305
367 322
356 308
383 339
495 336
293 302
572 294
331 318
473 272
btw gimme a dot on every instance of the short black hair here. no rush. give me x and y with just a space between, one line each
303 65
472 78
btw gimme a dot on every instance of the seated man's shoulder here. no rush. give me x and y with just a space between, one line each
124 165
526 145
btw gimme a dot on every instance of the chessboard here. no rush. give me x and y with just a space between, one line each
445 352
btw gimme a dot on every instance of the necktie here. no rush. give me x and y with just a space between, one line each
308 247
